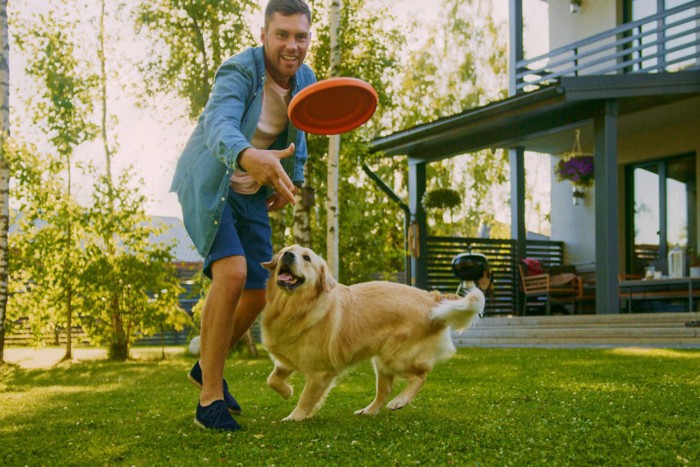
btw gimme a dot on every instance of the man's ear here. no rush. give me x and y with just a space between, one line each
326 281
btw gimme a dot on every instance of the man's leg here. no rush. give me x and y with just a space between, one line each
228 280
250 305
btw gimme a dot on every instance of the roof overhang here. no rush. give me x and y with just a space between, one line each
540 115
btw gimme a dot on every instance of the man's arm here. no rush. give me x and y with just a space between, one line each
224 113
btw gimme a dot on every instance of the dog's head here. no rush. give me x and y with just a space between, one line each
295 268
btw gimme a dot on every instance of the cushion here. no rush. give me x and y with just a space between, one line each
533 267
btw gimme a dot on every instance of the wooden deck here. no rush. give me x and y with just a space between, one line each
614 330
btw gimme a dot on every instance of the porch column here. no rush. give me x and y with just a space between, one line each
515 47
606 210
518 231
418 226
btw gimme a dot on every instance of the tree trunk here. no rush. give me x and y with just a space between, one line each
333 156
278 227
302 214
118 343
103 94
69 324
4 169
250 343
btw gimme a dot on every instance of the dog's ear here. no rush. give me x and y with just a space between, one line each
272 264
326 281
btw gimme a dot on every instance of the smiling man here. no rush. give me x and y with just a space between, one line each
243 159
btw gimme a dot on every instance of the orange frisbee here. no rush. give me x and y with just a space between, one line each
333 106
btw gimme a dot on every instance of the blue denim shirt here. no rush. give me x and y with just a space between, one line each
223 131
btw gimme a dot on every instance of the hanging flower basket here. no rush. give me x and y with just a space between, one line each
576 166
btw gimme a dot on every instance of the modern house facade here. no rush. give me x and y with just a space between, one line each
625 76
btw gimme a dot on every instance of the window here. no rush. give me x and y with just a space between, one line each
662 211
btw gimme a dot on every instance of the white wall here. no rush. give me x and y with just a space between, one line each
575 225
595 16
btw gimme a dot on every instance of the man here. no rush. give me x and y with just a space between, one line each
243 159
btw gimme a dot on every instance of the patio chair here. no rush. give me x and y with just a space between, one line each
543 288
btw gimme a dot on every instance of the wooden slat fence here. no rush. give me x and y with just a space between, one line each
501 255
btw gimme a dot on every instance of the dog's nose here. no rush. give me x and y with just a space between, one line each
288 257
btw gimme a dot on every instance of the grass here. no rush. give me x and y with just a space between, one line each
483 407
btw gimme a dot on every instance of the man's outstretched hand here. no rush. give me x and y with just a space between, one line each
265 168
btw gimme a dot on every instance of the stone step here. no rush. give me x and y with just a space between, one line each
578 320
651 329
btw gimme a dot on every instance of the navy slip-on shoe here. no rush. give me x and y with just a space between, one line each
215 416
195 377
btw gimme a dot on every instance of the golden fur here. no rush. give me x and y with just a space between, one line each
320 328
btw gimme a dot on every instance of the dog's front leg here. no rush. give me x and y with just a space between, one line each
315 391
385 383
277 381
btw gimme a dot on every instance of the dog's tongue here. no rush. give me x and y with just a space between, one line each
285 277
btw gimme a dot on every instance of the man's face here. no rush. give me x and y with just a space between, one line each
286 40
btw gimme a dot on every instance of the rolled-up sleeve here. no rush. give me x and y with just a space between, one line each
224 112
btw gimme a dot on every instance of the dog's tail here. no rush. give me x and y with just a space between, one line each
459 313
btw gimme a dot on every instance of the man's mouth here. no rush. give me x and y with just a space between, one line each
289 58
286 279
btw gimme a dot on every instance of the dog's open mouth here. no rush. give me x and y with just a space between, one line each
286 279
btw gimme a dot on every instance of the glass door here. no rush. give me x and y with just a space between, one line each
662 211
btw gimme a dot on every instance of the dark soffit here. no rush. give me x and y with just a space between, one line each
514 120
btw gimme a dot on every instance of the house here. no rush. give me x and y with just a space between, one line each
187 260
625 75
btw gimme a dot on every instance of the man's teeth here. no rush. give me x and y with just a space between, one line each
290 58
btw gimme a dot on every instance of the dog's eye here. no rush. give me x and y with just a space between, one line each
307 258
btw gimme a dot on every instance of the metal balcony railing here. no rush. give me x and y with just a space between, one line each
665 42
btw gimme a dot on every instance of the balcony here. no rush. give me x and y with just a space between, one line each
665 42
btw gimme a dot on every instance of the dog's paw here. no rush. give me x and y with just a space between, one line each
295 417
369 410
280 387
398 403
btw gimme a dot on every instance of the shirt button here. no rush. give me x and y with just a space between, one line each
223 199
216 222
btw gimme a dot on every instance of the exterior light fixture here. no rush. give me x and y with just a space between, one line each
575 6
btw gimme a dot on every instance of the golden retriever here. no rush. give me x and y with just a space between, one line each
320 328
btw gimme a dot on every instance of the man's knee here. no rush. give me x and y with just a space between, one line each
230 270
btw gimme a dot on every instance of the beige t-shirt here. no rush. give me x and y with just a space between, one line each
273 121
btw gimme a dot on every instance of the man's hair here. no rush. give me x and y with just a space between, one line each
286 8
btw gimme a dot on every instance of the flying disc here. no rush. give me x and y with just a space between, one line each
333 106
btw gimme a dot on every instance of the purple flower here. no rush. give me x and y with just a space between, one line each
577 169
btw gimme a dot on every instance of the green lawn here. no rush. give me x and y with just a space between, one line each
483 407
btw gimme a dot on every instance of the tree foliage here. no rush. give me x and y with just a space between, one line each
190 39
132 285
97 259
461 65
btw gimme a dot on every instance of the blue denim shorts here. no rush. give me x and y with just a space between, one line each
244 230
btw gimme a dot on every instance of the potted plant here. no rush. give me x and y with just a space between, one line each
578 168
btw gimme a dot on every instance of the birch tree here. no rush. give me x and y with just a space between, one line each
332 202
4 169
